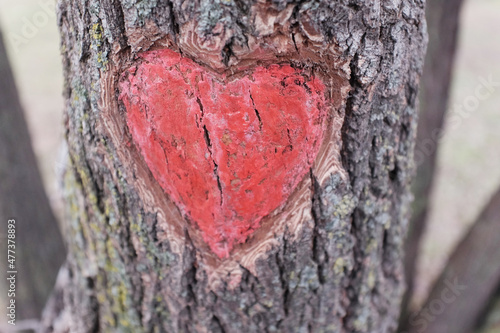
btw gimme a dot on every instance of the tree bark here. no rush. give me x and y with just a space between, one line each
329 260
39 249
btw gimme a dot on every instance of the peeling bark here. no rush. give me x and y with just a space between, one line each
329 260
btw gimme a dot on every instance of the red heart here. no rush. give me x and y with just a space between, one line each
227 151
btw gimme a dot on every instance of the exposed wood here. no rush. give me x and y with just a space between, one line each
39 249
329 259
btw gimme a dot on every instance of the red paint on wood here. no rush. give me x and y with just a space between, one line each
227 154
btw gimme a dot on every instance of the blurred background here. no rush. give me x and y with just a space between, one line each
468 162
36 63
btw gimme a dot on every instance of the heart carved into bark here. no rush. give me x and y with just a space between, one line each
227 151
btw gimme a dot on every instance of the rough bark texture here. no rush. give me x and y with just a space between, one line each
469 281
39 248
329 260
443 24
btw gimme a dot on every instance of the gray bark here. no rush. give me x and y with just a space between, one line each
135 264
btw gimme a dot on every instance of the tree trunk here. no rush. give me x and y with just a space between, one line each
328 257
38 246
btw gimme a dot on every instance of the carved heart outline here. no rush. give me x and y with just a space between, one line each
227 152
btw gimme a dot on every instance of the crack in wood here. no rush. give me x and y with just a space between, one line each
216 166
256 111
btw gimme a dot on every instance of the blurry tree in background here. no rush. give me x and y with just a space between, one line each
459 299
442 26
39 246
458 302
